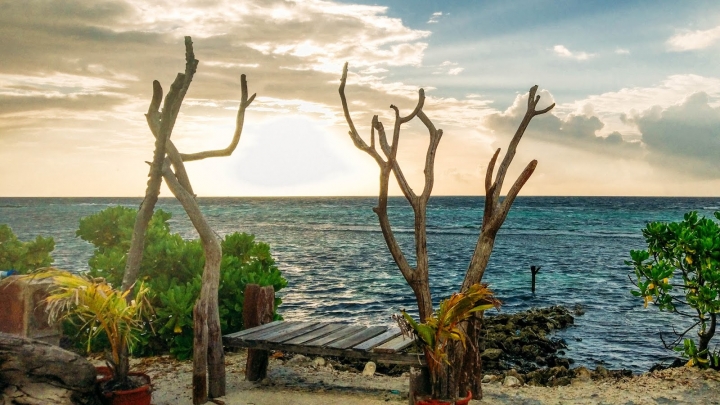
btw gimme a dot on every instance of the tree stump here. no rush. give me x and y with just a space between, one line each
35 372
419 384
257 310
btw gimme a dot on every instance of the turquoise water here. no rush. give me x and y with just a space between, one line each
333 254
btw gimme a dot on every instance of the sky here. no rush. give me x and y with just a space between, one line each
636 86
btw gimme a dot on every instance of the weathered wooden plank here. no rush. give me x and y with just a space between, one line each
294 333
338 334
261 332
378 340
325 330
255 329
290 327
394 345
416 359
357 338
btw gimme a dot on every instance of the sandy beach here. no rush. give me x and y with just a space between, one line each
299 380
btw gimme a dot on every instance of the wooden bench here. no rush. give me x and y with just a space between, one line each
377 343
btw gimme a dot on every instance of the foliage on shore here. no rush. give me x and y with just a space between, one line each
688 250
172 269
23 257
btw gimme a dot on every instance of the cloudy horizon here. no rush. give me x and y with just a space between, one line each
636 87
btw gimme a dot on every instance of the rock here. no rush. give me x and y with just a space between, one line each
34 372
511 381
491 354
582 373
601 372
369 369
298 360
514 373
487 378
556 382
319 362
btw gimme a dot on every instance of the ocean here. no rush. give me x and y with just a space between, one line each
338 267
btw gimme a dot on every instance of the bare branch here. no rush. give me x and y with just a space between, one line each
507 160
435 136
489 172
152 191
515 189
239 121
359 143
495 213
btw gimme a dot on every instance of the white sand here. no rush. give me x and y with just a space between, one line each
289 384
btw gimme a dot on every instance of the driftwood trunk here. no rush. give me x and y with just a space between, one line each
465 372
168 163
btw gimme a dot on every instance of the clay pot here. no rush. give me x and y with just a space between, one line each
138 396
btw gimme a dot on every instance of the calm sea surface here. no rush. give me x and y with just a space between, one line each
333 254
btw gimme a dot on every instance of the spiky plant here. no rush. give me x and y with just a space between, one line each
98 308
444 326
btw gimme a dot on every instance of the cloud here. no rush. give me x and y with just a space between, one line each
693 40
435 17
685 136
448 68
611 106
622 51
562 51
78 74
576 130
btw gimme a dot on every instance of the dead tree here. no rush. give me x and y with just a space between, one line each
168 164
466 372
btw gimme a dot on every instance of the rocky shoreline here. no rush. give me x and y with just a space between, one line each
520 346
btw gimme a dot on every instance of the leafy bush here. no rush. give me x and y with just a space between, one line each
23 256
689 250
172 269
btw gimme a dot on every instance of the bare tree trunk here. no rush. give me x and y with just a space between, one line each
465 372
200 341
161 126
208 354
207 304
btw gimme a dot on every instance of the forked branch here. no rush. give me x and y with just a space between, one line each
495 211
417 277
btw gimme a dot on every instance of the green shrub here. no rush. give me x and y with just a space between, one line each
23 257
172 269
690 251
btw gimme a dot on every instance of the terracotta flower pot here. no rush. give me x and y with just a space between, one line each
461 401
138 396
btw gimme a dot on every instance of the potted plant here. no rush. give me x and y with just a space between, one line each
444 327
100 308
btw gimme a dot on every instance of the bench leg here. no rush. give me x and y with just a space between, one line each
257 310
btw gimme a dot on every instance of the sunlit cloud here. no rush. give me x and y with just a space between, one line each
611 106
693 40
622 51
448 68
435 17
562 51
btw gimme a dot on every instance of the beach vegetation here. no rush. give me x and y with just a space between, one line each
171 270
679 272
24 257
95 307
443 327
